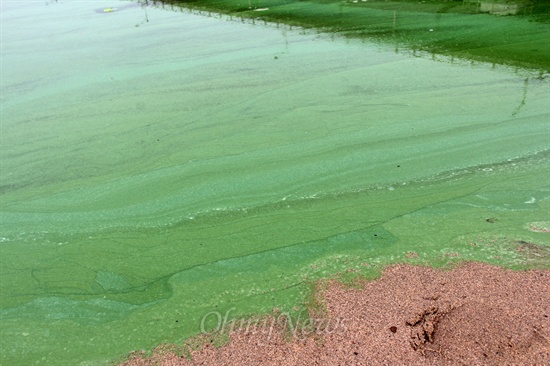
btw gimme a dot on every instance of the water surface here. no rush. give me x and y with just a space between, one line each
156 166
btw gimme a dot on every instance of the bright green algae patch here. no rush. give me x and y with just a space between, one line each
119 291
454 28
212 165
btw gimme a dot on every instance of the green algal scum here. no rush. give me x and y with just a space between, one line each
159 168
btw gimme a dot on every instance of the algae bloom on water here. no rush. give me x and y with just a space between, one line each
157 166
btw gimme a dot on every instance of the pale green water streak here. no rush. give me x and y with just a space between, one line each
153 172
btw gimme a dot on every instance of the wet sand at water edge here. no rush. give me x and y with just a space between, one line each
474 314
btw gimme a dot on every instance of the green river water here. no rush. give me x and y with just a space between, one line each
158 166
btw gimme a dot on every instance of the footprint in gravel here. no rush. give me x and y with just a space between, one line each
424 325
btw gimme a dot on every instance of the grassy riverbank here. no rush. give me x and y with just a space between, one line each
453 28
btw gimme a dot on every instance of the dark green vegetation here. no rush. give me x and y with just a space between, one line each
454 28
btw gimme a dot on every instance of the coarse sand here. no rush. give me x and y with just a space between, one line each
474 314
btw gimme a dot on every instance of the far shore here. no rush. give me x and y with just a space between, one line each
461 29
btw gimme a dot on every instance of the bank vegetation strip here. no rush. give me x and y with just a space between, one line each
452 28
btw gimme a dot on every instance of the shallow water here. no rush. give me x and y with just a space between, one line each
157 166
